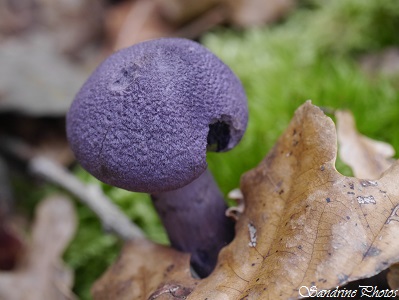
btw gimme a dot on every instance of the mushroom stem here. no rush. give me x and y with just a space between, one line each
194 218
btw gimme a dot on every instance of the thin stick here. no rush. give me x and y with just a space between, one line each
91 195
112 218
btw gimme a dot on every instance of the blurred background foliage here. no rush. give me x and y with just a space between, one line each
315 54
332 52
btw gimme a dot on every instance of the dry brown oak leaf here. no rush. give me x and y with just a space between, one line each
304 224
144 271
368 159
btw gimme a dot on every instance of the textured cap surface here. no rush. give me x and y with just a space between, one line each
145 117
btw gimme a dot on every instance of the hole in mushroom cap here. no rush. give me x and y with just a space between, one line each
218 136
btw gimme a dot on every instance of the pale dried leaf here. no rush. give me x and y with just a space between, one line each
183 11
35 78
247 13
305 223
75 26
367 158
132 22
244 13
45 51
42 275
54 227
145 270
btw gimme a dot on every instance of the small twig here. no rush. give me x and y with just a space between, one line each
111 217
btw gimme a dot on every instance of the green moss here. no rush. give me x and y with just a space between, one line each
92 249
91 252
306 58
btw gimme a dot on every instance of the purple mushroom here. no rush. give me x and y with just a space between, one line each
143 122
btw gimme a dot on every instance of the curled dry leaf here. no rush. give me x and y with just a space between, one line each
367 158
145 270
42 275
304 224
243 13
132 22
249 13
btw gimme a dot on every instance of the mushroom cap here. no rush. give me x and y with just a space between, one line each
144 119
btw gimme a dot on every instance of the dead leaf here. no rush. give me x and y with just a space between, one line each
244 13
46 52
305 224
42 275
135 21
249 13
183 11
367 158
370 159
132 22
35 79
74 26
145 270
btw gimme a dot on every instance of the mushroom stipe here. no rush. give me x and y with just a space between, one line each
202 203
